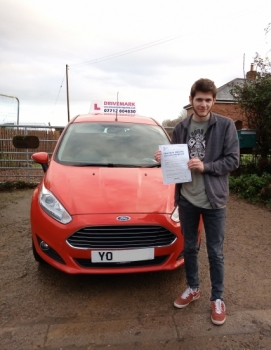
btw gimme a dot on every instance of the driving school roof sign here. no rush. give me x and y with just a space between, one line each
111 107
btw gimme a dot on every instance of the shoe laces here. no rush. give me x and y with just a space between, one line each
218 306
187 292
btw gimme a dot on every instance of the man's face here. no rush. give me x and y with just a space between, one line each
202 104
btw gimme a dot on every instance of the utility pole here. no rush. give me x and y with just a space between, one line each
67 91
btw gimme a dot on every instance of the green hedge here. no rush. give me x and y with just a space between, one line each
252 187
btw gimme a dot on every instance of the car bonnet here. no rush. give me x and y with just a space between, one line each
89 190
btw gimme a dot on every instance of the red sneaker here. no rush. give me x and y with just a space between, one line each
186 298
218 316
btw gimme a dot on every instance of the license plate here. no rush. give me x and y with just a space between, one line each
106 256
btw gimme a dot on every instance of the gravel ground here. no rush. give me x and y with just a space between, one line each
42 308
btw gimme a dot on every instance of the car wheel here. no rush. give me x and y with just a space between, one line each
37 257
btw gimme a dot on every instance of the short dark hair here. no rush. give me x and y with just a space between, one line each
203 85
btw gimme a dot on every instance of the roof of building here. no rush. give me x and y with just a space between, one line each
223 92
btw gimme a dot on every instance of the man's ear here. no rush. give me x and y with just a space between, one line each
190 100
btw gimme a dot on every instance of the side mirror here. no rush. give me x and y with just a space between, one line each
21 141
41 158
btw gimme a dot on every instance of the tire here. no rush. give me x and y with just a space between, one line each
37 257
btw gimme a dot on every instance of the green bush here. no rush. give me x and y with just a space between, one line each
254 188
253 164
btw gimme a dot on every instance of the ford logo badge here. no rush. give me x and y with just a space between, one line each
123 218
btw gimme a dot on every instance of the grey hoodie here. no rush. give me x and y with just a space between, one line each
222 156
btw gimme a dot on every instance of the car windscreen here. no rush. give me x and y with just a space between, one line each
110 144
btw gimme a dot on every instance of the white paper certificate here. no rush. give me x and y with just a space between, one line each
174 160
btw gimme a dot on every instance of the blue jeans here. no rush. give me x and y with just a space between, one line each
214 223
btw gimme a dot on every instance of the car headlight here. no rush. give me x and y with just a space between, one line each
53 207
175 215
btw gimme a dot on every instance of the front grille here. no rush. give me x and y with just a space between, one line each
121 237
87 263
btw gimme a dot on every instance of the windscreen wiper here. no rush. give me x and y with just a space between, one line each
117 165
157 165
108 165
94 164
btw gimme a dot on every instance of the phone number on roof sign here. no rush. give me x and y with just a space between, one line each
114 110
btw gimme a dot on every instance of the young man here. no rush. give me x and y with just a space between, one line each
214 152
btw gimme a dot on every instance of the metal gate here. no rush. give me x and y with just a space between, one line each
16 164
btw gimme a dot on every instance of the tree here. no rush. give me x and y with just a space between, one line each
173 122
254 99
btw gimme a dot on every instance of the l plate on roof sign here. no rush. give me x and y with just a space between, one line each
111 107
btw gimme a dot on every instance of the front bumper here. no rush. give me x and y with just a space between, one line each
73 260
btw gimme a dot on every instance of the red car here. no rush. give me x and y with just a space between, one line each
102 206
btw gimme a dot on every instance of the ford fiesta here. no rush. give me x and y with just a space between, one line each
102 206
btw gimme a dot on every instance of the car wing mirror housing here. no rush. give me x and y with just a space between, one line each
41 158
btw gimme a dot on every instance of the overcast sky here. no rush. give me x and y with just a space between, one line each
148 51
